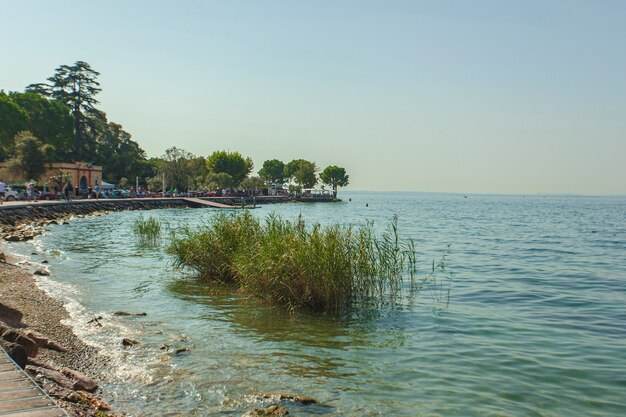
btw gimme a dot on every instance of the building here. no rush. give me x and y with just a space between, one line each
83 174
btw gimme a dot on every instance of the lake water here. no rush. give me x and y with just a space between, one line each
532 321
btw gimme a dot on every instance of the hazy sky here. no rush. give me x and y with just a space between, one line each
456 96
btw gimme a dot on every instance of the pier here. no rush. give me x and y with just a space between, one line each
196 202
20 396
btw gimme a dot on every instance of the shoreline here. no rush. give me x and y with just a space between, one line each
43 314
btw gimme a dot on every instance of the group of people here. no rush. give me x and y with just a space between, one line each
72 193
68 192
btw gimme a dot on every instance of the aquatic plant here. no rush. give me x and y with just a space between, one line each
210 251
148 230
286 263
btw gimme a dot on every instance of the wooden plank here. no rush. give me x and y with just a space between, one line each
20 396
10 374
43 412
7 366
19 393
16 383
23 404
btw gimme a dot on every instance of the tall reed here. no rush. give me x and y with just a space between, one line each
148 230
287 263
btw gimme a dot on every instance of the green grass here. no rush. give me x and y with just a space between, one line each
147 230
286 263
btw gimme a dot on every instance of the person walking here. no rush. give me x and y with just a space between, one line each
29 192
67 190
2 190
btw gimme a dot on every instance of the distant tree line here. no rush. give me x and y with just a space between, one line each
230 170
58 121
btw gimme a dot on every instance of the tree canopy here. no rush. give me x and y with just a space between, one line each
231 163
48 120
76 86
335 177
303 172
30 156
13 119
174 164
273 171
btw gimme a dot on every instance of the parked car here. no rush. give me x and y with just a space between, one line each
20 190
47 195
10 194
120 193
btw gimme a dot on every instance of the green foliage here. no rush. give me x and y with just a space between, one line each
62 113
147 230
154 183
30 157
305 175
219 181
50 121
303 172
231 163
13 119
76 86
175 165
273 171
292 167
211 251
252 184
335 177
314 268
119 155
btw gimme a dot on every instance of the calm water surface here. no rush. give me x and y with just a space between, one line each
535 321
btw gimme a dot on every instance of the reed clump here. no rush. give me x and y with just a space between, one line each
148 230
301 267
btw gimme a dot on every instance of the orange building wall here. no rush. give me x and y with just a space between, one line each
75 171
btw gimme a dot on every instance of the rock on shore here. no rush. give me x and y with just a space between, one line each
32 333
25 222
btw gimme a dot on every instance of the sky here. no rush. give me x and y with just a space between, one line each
515 97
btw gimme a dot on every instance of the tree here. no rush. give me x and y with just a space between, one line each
291 168
49 121
231 163
76 86
154 183
13 119
31 156
334 176
305 175
273 171
175 165
302 172
219 180
59 178
119 155
252 184
123 182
